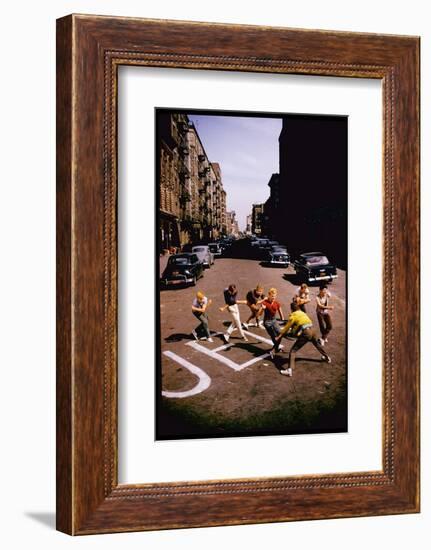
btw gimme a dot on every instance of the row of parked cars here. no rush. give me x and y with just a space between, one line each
270 252
188 266
309 266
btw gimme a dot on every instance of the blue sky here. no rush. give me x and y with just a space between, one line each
247 150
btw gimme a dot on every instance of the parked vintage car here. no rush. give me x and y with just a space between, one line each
260 242
225 243
254 241
278 256
183 269
206 257
264 244
314 266
215 249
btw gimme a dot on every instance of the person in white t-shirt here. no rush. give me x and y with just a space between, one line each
323 310
302 296
199 309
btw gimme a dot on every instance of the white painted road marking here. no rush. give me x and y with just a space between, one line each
204 380
215 355
221 348
258 337
254 360
262 339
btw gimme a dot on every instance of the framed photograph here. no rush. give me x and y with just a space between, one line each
237 274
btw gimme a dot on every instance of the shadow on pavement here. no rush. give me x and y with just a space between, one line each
250 347
280 361
269 265
309 360
292 278
177 337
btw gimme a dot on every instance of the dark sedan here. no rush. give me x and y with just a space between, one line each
215 249
182 269
278 256
315 266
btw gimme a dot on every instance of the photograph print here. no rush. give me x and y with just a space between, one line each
251 270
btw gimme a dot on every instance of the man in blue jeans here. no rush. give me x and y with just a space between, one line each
271 307
199 309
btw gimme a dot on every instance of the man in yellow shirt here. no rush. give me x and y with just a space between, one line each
300 326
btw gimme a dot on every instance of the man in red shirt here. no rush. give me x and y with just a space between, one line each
271 307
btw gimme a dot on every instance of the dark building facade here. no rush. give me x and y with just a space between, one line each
308 199
272 215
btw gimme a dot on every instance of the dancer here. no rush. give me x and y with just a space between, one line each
302 296
199 309
254 300
271 307
300 326
231 304
323 316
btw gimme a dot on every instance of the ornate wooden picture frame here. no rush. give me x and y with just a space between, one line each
89 51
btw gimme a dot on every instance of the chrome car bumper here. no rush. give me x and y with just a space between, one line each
323 278
170 282
278 262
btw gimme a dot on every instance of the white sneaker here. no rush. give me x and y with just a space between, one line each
245 339
321 342
194 334
327 359
210 340
225 338
286 372
326 340
261 325
280 347
245 325
272 353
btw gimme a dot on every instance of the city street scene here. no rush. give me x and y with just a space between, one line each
252 278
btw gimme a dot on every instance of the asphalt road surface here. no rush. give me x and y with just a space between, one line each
210 389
